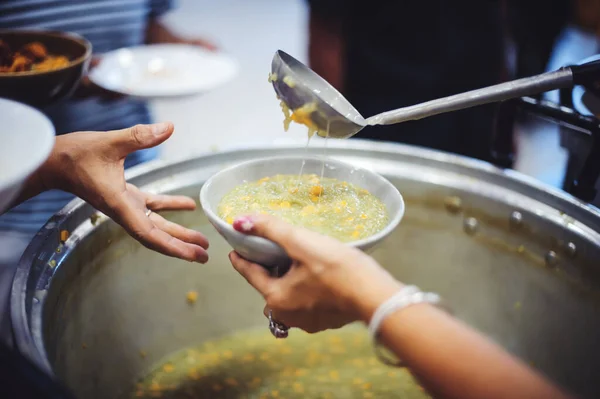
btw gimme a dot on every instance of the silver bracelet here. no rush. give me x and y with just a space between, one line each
407 296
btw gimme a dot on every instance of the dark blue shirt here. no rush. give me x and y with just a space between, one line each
108 25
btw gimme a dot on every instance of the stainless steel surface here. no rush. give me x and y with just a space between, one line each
268 253
335 114
86 309
297 85
504 91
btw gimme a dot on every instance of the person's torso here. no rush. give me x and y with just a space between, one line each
400 53
108 25
417 50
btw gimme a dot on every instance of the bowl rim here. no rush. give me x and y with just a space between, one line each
45 145
73 37
365 242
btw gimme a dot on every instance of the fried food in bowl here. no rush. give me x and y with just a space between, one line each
41 67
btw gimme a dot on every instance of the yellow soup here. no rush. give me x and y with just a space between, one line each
328 206
252 364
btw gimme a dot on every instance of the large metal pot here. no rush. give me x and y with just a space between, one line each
515 259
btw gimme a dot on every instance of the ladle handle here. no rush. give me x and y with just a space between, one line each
562 78
587 73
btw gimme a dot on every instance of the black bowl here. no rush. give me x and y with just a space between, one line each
39 88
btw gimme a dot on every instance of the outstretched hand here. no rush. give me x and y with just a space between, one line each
91 166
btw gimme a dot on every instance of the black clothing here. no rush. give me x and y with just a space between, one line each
403 52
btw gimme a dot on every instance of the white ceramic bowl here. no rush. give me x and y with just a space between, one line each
27 138
266 252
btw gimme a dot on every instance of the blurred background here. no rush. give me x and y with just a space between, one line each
246 110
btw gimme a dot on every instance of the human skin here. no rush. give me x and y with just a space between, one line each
331 284
90 165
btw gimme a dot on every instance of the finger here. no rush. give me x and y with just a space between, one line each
159 202
256 275
84 88
275 316
175 230
151 236
107 94
295 241
139 137
204 43
289 319
87 89
95 61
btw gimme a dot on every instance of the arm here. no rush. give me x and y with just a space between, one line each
441 351
331 284
326 48
90 165
326 44
33 186
587 15
157 32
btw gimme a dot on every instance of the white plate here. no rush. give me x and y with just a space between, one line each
163 70
26 139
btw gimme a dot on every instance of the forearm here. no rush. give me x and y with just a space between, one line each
32 187
586 14
326 48
50 175
157 32
452 360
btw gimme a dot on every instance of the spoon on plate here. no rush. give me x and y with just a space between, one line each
298 87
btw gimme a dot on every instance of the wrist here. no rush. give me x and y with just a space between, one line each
372 295
50 175
158 33
36 183
45 175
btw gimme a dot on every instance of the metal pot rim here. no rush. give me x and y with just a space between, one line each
29 340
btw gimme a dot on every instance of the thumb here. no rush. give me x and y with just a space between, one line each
140 137
292 239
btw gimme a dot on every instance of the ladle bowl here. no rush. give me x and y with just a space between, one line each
297 85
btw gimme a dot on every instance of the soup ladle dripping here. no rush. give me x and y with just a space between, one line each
297 85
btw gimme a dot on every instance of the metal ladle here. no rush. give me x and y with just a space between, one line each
297 85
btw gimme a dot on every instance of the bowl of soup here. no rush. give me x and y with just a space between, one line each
351 204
